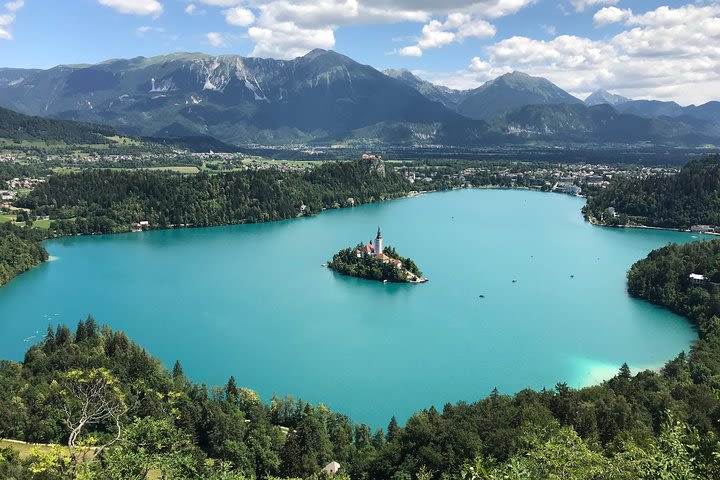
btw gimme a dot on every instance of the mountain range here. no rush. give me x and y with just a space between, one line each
326 97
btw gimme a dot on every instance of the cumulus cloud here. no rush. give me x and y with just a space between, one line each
456 28
190 9
581 5
221 3
666 53
215 39
284 28
239 16
608 15
8 18
135 7
14 6
411 51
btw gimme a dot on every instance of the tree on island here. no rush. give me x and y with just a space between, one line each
350 262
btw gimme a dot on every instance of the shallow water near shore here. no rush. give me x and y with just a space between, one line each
253 301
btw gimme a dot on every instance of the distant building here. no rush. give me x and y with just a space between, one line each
375 249
702 229
697 279
332 468
371 156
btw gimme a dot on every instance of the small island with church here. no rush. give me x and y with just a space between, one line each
376 262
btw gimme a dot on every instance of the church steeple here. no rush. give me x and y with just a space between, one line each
378 244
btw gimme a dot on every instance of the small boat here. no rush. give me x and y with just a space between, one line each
572 276
384 281
514 281
482 296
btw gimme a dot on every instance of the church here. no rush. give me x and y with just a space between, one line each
375 249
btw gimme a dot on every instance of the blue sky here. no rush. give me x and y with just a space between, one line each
668 50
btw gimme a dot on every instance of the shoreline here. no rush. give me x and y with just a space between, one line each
593 221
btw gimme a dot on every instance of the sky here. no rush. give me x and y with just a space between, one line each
642 49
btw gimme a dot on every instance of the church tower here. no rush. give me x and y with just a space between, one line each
378 244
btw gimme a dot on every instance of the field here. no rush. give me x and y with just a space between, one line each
178 169
24 449
4 217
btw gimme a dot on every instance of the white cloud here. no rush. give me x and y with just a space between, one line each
215 39
135 7
239 17
190 9
287 40
141 31
14 6
456 28
581 5
411 51
221 3
608 15
549 29
284 28
7 19
666 53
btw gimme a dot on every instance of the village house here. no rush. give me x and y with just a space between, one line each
697 279
702 229
331 468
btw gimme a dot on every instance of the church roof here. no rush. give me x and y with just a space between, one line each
379 236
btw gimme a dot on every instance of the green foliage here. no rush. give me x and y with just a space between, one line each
347 262
679 201
20 250
18 127
104 201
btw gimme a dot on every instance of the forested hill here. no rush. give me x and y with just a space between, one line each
20 250
18 127
104 201
663 278
689 198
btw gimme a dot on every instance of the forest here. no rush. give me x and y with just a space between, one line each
20 250
346 262
676 201
104 201
18 127
147 419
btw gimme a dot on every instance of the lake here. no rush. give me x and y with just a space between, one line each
253 301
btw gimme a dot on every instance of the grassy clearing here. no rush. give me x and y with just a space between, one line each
24 449
4 218
44 224
178 169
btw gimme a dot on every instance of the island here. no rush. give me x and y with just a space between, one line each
376 262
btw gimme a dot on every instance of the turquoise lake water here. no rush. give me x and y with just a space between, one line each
253 301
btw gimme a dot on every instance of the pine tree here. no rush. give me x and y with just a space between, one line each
177 371
393 429
232 392
62 335
91 327
80 332
625 372
49 344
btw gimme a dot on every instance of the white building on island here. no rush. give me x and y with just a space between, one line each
375 249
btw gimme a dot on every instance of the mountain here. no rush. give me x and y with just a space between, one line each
651 108
327 98
709 111
577 123
599 97
449 97
510 91
232 98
